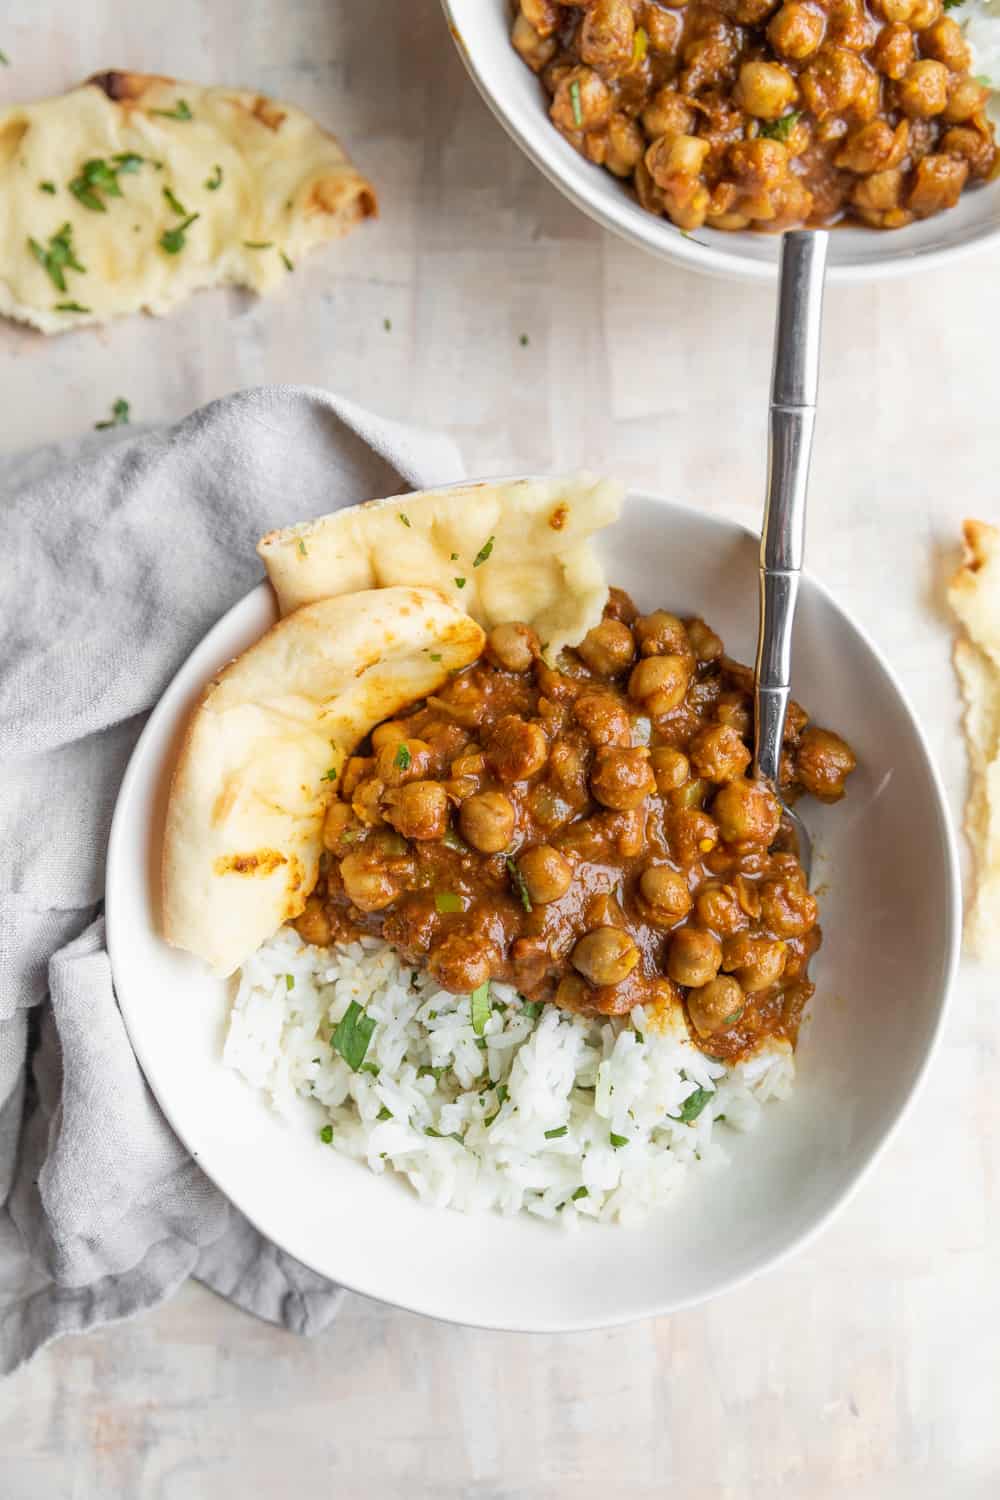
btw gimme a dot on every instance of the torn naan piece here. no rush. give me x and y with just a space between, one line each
265 745
974 595
132 191
521 550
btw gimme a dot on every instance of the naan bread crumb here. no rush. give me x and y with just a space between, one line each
974 595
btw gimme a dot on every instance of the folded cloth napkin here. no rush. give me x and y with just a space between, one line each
118 556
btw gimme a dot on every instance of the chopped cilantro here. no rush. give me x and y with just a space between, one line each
259 244
385 1113
175 203
352 1035
172 240
435 656
524 341
553 1135
60 256
76 307
180 111
119 415
452 1135
330 775
731 1020
460 583
574 95
4 60
286 261
426 1071
372 1068
387 324
96 177
214 182
402 758
130 161
581 1192
302 548
47 187
531 1008
618 1140
693 1106
454 557
447 901
405 519
483 552
326 1134
501 1093
519 883
983 80
780 130
289 981
479 1004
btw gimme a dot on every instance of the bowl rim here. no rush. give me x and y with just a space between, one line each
766 1262
707 260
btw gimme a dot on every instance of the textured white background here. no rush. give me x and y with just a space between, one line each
869 1368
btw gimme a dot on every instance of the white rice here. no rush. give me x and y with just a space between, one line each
979 20
567 1085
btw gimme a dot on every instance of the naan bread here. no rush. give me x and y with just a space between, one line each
264 745
974 595
518 551
266 183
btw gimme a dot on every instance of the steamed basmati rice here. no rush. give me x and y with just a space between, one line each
552 1113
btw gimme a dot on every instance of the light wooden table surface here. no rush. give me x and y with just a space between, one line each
869 1368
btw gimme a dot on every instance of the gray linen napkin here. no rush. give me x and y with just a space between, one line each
117 558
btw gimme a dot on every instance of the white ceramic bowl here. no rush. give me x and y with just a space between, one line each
481 32
890 912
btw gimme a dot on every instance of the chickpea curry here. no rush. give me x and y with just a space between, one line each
587 831
755 114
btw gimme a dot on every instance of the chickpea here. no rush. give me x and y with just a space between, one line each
896 11
674 157
622 779
516 748
609 648
923 89
796 30
746 12
530 46
670 768
607 35
546 873
734 709
715 1006
924 14
893 50
946 42
787 907
648 194
766 89
755 961
874 148
573 993
513 646
663 28
418 810
694 957
661 634
544 15
966 98
487 821
357 767
747 812
392 732
691 794
667 113
367 881
313 924
665 891
338 820
718 754
462 962
823 762
703 641
832 81
605 956
625 145
582 101
760 163
972 146
603 719
937 184
406 760
718 907
692 834
880 193
660 682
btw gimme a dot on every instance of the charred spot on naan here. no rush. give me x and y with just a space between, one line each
257 862
127 88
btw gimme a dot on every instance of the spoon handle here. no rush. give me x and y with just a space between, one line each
794 380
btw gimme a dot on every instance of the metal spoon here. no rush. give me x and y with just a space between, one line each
794 381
